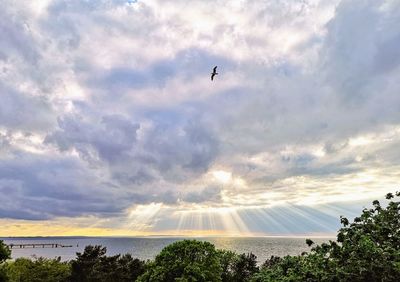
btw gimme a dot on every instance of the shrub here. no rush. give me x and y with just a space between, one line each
38 270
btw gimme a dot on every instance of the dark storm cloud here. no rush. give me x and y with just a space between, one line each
16 37
117 83
47 188
189 146
22 111
32 188
360 40
111 138
165 148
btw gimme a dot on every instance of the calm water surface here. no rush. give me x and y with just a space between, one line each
148 248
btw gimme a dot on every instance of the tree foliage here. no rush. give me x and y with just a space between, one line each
187 260
5 252
94 265
227 261
368 249
37 270
237 268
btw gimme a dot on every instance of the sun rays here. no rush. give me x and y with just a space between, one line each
231 208
224 220
281 220
142 217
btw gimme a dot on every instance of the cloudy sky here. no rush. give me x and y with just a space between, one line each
110 125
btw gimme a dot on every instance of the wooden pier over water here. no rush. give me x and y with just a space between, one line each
38 245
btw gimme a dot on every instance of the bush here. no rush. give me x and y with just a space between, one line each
38 270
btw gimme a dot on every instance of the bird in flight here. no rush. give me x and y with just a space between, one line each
214 73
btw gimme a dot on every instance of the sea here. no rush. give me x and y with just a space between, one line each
146 248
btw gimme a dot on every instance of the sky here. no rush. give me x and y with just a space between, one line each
110 124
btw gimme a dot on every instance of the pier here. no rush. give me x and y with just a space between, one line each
38 245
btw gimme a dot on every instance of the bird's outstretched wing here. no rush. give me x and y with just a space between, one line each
212 76
215 69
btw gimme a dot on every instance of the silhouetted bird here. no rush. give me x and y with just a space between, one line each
214 73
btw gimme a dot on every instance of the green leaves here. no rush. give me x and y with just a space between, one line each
191 260
187 260
5 252
94 265
309 242
344 221
389 196
366 250
37 270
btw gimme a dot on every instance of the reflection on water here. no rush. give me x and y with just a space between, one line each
148 248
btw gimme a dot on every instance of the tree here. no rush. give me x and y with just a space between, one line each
227 261
187 260
129 268
94 265
237 268
86 267
245 267
5 254
366 250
